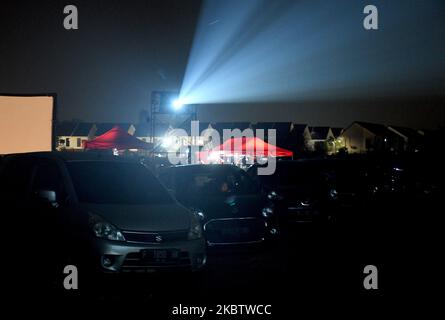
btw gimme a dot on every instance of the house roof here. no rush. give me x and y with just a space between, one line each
375 128
298 127
319 133
378 129
407 132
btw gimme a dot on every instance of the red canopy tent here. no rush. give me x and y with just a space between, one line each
118 139
248 146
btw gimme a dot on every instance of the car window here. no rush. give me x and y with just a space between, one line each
16 178
212 181
294 174
110 182
47 176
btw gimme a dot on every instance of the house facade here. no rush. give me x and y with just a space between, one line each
319 136
359 137
362 137
414 140
71 135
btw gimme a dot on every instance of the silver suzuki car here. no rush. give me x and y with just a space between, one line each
109 214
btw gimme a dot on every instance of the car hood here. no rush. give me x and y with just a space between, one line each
297 192
143 217
231 206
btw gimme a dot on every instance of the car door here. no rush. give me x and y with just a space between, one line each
20 235
47 177
49 217
15 182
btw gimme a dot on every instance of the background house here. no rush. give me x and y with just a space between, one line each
72 134
319 136
361 137
337 144
414 140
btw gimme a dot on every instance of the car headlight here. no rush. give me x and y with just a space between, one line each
195 227
274 196
333 194
198 213
267 212
105 230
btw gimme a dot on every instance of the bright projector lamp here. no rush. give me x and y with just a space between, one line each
177 104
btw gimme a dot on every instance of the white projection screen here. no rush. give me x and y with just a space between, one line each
26 123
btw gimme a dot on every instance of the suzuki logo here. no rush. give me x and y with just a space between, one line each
158 238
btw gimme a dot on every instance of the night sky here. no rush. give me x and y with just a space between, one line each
106 70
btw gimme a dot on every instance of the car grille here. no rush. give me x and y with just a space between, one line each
235 231
155 237
347 199
301 212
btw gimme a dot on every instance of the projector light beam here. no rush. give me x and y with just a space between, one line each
287 50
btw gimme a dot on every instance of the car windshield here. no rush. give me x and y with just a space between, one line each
213 181
109 182
293 174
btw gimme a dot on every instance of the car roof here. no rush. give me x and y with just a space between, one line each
298 162
71 156
197 167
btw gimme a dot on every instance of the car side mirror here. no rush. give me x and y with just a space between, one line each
47 196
